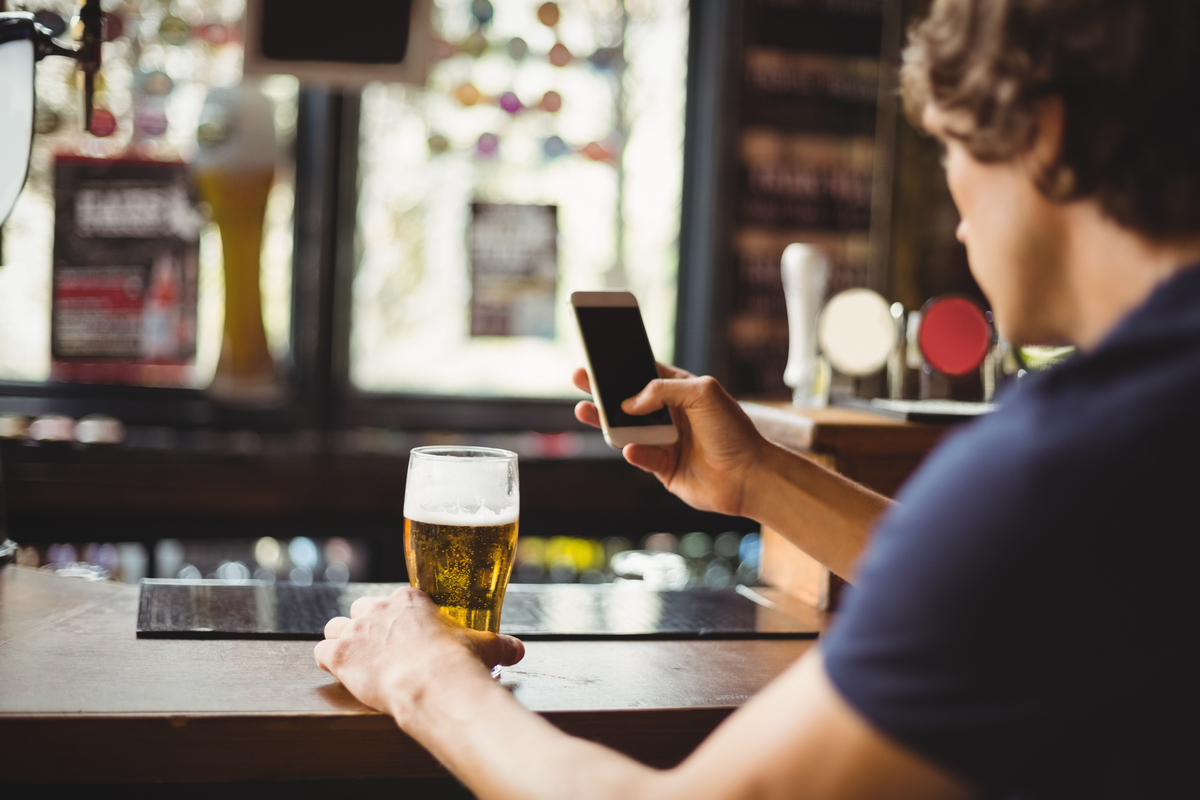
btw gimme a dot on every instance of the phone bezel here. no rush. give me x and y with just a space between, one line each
617 437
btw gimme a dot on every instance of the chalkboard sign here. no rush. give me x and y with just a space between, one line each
514 269
351 31
347 43
126 270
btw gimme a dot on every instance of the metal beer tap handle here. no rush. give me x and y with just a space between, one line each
87 54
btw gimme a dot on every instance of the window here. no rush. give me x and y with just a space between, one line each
552 127
578 124
160 61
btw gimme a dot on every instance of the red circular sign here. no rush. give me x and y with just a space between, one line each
103 123
954 336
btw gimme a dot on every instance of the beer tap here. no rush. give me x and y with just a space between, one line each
23 42
87 54
22 26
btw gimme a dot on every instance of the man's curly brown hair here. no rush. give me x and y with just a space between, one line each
1128 72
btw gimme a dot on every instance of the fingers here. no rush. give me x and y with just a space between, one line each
333 652
668 371
323 653
335 626
580 379
650 458
410 597
585 412
584 384
365 605
676 392
326 651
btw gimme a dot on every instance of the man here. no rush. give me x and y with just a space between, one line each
1016 621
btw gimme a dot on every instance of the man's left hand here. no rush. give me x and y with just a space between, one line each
390 648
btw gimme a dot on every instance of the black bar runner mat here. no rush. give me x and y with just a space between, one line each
212 609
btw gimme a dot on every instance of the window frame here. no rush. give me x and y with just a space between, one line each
316 145
317 368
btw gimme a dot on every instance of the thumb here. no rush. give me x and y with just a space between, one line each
510 650
675 392
498 648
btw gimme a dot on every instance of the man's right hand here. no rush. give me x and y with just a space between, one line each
709 467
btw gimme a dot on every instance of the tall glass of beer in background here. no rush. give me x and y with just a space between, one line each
460 529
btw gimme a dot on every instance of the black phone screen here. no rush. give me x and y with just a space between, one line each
622 361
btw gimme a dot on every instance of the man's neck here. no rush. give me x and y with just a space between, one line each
1112 270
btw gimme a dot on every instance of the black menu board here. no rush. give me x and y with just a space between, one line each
809 96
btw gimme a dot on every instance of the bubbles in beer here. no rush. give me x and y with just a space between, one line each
463 568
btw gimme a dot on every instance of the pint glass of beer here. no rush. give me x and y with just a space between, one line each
460 529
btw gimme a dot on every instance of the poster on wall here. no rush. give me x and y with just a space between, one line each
126 272
514 269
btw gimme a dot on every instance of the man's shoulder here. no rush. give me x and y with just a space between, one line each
1078 423
980 630
1073 459
977 632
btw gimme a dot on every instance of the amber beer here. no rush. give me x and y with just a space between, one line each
239 203
464 568
461 506
235 170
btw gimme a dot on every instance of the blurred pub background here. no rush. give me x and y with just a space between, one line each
670 148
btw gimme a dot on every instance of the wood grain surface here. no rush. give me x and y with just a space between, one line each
83 700
876 451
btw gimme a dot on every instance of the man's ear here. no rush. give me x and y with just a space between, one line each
1045 148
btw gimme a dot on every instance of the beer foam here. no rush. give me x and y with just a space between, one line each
458 492
246 117
466 518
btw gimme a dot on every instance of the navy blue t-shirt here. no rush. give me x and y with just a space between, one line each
1025 617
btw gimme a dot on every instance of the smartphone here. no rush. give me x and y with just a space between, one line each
619 365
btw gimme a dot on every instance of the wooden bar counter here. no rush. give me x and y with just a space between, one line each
82 700
876 451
